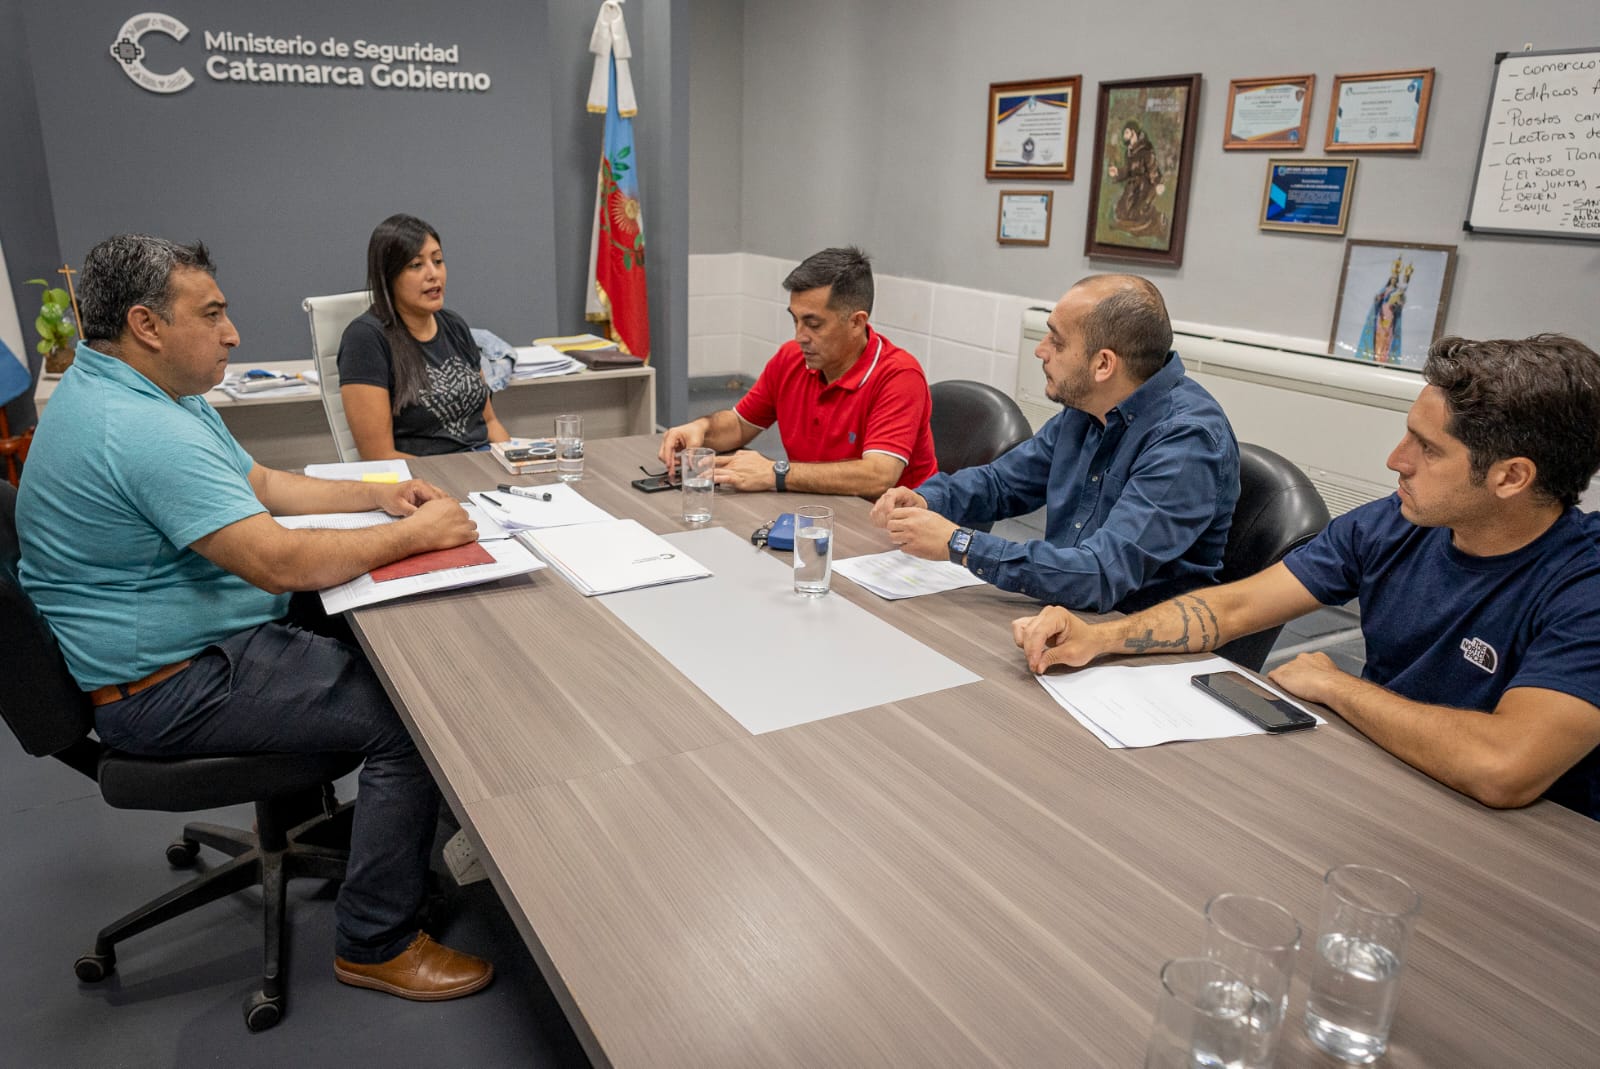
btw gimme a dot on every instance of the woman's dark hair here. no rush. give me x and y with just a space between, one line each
395 243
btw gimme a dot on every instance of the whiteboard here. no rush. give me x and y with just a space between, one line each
1539 164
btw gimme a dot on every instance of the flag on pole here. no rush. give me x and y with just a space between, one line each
617 291
15 376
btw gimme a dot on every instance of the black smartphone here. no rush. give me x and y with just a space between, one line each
1254 702
536 451
654 484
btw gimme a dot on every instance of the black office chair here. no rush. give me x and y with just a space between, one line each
51 717
1278 510
974 423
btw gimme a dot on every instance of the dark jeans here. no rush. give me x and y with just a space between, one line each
282 688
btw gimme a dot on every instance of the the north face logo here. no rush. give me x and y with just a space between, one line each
1480 653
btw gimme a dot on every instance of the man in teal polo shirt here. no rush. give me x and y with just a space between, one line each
149 544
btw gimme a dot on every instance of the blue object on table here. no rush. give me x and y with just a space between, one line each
782 534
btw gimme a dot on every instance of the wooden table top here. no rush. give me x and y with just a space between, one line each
963 878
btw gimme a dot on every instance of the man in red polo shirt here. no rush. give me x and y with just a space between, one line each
852 407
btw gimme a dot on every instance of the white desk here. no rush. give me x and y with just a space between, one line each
291 432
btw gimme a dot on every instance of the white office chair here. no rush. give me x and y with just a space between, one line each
329 316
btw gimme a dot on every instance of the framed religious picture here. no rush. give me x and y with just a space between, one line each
1143 155
1269 113
1309 196
1382 112
1392 301
1024 217
1033 128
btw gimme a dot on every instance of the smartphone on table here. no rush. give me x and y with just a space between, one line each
1254 702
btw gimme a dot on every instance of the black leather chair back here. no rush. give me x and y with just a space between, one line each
1278 510
39 699
973 424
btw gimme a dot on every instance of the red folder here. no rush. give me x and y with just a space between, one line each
436 561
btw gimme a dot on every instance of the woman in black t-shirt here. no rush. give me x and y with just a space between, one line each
408 369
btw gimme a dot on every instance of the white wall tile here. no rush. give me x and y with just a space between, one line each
915 344
906 303
952 360
762 276
1008 322
759 319
714 274
714 315
1004 375
719 355
964 315
754 354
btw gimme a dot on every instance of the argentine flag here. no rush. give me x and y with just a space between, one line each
14 375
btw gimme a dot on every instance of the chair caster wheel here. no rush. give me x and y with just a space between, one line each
261 1012
92 968
182 852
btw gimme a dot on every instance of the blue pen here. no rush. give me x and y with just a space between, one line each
533 495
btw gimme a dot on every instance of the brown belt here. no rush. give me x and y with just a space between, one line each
115 692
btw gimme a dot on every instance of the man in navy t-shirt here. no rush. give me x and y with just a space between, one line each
1479 584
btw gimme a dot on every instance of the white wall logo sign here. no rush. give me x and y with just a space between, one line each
296 60
130 53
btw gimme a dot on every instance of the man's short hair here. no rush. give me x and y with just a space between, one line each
1132 322
848 273
128 270
1535 397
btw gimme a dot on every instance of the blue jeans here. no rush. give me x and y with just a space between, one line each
285 689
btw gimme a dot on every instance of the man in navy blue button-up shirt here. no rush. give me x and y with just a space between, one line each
1138 474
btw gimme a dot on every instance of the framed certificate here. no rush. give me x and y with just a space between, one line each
1143 155
1309 196
1024 217
1382 112
1033 128
1269 113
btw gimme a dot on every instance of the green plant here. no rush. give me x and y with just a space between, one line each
54 324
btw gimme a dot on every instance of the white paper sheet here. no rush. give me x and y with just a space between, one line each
335 521
509 559
1130 705
603 558
565 508
894 575
362 471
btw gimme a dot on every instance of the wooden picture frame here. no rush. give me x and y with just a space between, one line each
1033 128
1269 113
1308 196
1139 200
1023 217
1388 111
1391 323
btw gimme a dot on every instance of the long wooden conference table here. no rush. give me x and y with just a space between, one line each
964 878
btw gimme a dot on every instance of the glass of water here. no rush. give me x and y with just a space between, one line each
1367 916
569 448
813 550
695 469
1202 1015
1258 939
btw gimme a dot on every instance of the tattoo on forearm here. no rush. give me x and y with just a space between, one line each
1198 622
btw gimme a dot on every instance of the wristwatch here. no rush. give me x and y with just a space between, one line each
780 473
959 541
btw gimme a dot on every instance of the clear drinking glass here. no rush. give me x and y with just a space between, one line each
1258 939
1367 916
695 469
813 550
1202 1016
569 448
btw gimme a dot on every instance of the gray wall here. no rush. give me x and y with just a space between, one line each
716 112
865 122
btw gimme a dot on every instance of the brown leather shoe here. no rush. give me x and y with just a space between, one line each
423 971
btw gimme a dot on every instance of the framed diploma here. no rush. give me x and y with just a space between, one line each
1269 113
1383 112
1024 217
1143 156
1033 128
1392 300
1310 196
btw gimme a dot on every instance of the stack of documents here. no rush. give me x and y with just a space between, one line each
247 384
894 575
537 361
1148 704
565 508
602 558
363 471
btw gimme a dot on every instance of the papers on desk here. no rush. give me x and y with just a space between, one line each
603 558
538 361
565 508
488 529
509 559
244 384
1131 705
363 471
894 575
